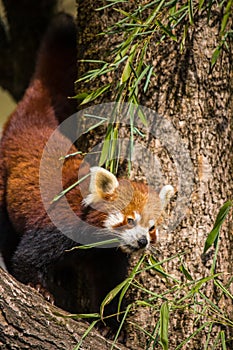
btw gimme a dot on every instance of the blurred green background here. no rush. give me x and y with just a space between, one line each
7 103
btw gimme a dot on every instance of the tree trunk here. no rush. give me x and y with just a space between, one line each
27 321
198 102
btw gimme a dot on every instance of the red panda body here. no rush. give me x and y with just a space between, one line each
34 249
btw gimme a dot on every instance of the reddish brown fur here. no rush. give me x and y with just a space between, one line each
79 280
25 134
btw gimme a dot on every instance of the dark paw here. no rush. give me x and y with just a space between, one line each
46 294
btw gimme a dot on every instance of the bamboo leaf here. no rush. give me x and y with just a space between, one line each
164 320
94 94
111 295
225 291
215 56
142 116
92 325
213 235
94 245
105 147
184 270
185 341
126 72
70 155
128 66
148 79
210 4
226 16
94 126
62 193
200 282
121 325
141 76
223 340
166 30
129 281
113 151
80 96
200 5
190 8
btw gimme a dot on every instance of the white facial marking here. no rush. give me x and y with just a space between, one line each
151 223
131 236
137 217
114 219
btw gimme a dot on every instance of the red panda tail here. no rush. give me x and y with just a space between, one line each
43 107
56 64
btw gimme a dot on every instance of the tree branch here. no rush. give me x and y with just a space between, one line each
28 321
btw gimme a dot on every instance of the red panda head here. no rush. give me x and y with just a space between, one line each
130 210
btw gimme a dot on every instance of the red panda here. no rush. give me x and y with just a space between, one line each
34 249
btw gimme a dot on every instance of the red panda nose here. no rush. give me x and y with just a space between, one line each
142 242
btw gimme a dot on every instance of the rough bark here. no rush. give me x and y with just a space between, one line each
198 102
28 321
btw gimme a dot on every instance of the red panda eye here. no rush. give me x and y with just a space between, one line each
152 228
131 222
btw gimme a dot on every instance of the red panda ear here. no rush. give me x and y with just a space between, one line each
102 185
165 195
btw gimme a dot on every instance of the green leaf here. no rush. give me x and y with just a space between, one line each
164 320
200 282
148 78
185 341
129 281
210 4
213 235
113 150
226 16
77 316
80 96
92 325
62 193
154 13
111 295
215 55
155 266
105 148
128 66
142 116
94 245
166 30
141 76
201 2
190 8
95 116
184 270
94 94
120 327
225 291
223 340
94 126
70 155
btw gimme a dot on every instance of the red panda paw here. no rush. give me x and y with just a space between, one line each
46 294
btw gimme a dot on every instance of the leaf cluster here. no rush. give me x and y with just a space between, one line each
181 294
147 23
156 21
